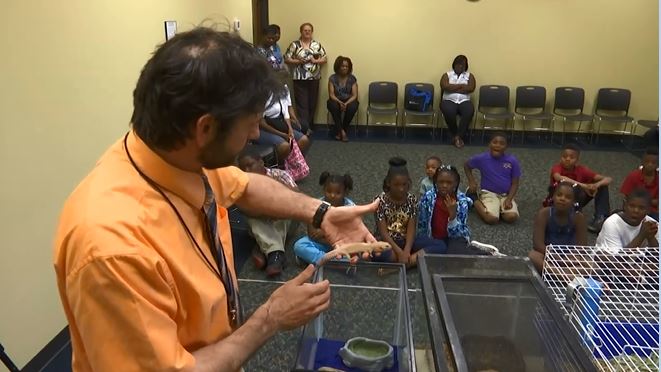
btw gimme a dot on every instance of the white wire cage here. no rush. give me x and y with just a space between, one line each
611 299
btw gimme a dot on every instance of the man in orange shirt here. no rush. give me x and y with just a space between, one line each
143 251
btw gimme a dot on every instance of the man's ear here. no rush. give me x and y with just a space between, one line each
205 129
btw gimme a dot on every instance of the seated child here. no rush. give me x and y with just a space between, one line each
591 184
443 212
646 177
313 247
632 227
396 218
558 224
499 173
270 234
431 164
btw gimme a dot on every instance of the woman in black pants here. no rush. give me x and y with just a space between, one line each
342 96
457 85
306 56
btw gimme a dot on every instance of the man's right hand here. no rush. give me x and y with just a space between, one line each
297 302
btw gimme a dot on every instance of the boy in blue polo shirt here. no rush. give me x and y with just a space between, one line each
499 174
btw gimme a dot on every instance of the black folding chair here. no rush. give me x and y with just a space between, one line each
530 105
382 101
429 114
568 105
613 107
494 107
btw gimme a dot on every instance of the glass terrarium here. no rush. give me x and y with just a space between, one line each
370 308
493 313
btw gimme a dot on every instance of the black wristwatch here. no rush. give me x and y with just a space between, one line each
319 214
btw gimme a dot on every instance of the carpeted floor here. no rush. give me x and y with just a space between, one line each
367 162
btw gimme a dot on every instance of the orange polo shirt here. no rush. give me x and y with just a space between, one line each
136 292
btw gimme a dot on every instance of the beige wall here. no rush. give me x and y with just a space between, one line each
587 43
68 70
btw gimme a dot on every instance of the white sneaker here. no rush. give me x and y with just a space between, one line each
488 248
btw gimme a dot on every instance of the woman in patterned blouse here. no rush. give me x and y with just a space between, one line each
306 56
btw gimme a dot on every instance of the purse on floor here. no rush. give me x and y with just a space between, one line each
295 163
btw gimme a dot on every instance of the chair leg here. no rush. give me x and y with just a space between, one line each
626 124
596 139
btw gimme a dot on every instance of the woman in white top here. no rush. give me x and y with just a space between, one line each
456 86
631 228
276 129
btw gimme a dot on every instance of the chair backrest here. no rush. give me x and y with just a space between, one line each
424 87
530 97
613 99
494 96
569 99
382 93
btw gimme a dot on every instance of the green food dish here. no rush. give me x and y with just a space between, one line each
367 354
369 349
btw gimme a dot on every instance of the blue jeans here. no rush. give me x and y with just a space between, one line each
427 244
310 251
267 138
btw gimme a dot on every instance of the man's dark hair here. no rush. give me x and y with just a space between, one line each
460 58
572 146
338 63
198 72
271 30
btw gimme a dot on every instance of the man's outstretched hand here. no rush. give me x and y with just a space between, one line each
343 225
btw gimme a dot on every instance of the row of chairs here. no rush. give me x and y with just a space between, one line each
493 109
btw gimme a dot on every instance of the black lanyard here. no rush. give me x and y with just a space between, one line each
219 256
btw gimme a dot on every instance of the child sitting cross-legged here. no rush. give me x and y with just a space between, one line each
396 218
590 184
499 181
558 224
311 248
270 234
